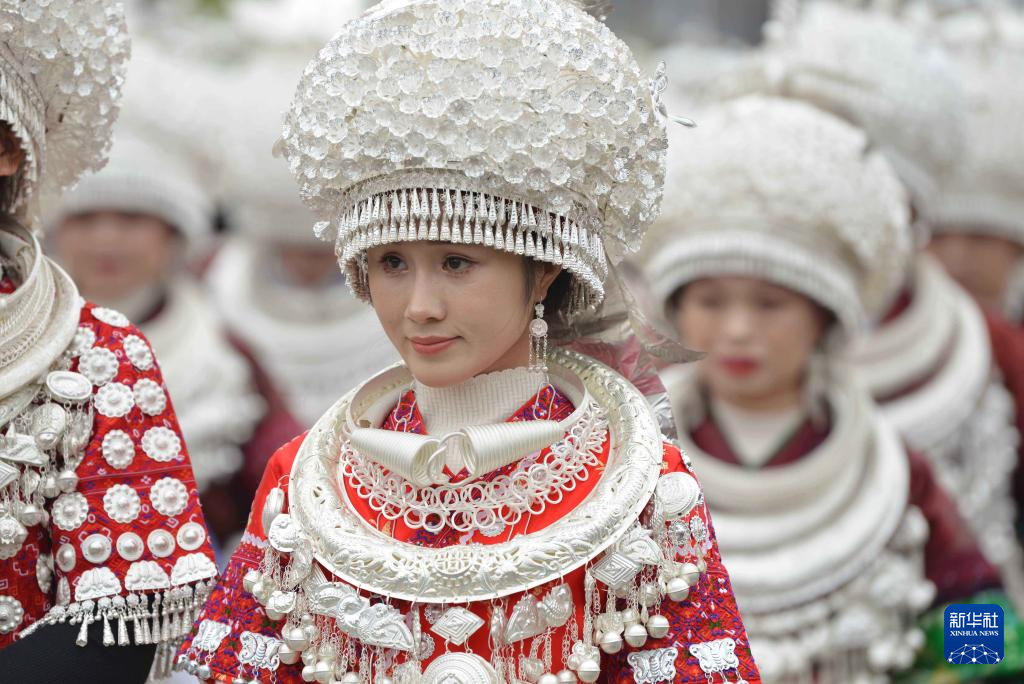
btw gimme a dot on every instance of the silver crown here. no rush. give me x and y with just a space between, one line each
524 125
62 65
777 189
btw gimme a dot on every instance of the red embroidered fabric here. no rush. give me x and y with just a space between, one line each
709 614
160 480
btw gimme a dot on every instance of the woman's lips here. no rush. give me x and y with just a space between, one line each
431 345
739 366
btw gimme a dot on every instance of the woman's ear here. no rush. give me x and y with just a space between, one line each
544 276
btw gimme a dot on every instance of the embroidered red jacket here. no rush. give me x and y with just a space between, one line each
709 614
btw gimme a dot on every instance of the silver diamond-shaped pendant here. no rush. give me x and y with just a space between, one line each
457 624
615 570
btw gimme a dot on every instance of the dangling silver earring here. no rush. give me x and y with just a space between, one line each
816 387
539 343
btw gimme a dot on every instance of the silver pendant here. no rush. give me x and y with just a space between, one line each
457 624
653 666
459 668
716 656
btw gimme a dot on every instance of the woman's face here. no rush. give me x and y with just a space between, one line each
112 255
758 337
455 311
982 264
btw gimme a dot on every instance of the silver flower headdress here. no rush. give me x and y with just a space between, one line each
776 189
524 125
62 64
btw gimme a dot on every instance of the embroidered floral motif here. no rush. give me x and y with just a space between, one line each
69 511
83 340
114 400
150 397
121 503
118 449
161 444
110 317
138 352
169 496
99 365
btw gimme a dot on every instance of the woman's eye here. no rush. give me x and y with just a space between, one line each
391 262
456 263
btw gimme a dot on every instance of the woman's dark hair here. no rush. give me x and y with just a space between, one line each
557 300
10 186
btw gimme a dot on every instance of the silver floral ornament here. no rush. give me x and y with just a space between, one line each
118 449
138 352
99 365
169 496
150 397
11 614
161 444
12 536
84 338
122 503
110 317
114 400
69 511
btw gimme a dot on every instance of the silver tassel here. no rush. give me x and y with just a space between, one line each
122 631
83 631
108 634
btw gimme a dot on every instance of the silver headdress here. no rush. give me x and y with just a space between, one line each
160 162
876 71
62 65
985 192
776 189
524 125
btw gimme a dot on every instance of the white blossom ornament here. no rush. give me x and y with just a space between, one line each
118 449
150 397
84 339
110 317
114 400
169 496
69 511
121 503
161 444
138 352
11 614
99 365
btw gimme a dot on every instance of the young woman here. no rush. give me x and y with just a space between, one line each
102 541
944 374
783 230
496 508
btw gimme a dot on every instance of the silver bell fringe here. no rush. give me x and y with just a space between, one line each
443 214
163 618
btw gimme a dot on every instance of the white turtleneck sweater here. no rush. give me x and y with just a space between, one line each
484 400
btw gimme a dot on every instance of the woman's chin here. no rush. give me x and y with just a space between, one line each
437 373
